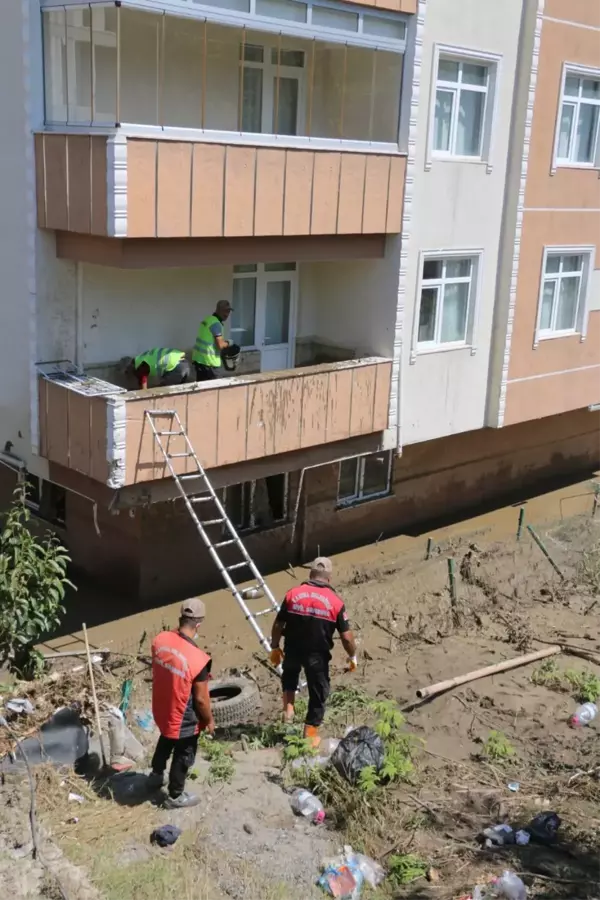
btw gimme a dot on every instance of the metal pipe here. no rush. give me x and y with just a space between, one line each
277 80
118 85
67 66
92 69
540 544
203 97
372 99
241 87
311 85
161 70
520 523
343 91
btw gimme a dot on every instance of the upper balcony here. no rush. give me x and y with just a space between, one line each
250 118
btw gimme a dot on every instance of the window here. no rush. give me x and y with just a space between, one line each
272 87
364 478
578 122
263 307
45 499
446 303
563 294
258 504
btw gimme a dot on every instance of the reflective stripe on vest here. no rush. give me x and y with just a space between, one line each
205 353
159 360
176 663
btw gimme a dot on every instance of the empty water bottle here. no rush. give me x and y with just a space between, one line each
508 887
306 804
583 715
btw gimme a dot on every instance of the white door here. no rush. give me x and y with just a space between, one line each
264 312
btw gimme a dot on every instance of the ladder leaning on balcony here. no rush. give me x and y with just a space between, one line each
220 520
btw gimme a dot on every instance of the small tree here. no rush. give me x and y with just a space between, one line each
32 588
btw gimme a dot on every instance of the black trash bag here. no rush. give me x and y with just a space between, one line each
359 749
544 827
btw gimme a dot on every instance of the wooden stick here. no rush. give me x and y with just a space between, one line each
514 663
94 697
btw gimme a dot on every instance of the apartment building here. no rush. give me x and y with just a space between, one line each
399 198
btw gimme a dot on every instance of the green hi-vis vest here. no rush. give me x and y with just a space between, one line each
159 360
205 353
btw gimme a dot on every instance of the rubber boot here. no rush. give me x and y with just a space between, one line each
288 707
311 734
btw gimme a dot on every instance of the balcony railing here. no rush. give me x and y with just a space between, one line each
108 439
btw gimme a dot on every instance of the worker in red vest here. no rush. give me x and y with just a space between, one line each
180 702
308 618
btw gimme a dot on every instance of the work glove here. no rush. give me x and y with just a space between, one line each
276 656
352 664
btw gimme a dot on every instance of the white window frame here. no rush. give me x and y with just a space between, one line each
262 278
251 487
270 72
493 61
588 253
577 71
359 496
470 342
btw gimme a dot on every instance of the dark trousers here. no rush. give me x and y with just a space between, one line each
179 375
184 754
205 373
316 669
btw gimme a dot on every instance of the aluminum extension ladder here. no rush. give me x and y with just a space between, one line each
232 538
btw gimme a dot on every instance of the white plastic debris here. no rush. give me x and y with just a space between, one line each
20 705
75 798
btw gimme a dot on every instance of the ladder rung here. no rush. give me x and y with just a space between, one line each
162 433
237 565
224 543
262 612
177 455
189 475
212 522
159 412
202 499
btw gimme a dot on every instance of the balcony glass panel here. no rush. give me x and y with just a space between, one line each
194 74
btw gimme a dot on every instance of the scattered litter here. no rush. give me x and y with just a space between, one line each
544 827
62 740
522 837
165 836
73 820
362 747
20 705
327 748
583 715
75 798
508 887
344 875
498 835
514 786
145 720
306 804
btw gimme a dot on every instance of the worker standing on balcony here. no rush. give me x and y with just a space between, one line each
170 366
309 615
210 343
180 702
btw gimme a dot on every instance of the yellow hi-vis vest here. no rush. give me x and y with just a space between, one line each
159 360
205 353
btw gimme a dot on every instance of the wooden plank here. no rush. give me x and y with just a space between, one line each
174 185
376 194
231 425
202 425
363 396
325 191
352 186
98 439
57 216
208 173
339 405
239 191
141 188
381 403
80 183
288 408
298 190
57 418
99 186
270 172
314 409
79 432
262 418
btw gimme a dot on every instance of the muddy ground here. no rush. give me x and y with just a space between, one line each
243 842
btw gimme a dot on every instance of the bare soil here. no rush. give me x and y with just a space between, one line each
243 842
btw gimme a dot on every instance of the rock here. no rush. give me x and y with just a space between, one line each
432 875
248 828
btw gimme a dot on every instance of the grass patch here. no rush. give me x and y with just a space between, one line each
220 757
497 747
583 685
406 868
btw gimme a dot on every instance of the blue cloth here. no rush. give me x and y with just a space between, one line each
165 836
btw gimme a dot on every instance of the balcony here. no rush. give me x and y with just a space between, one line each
107 437
194 128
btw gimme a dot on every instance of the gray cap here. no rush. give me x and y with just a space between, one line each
224 306
322 564
193 608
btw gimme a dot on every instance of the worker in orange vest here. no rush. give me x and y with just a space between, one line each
180 702
308 618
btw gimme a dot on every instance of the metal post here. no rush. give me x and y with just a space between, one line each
343 91
372 98
429 548
204 51
161 71
118 97
67 66
452 579
241 88
540 544
311 85
277 79
92 68
521 521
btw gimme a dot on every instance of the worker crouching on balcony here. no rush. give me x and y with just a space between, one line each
169 366
309 615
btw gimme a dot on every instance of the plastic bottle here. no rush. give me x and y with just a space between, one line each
508 887
583 715
306 804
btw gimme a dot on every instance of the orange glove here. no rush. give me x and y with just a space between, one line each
352 664
276 656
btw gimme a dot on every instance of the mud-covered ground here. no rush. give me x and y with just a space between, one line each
243 841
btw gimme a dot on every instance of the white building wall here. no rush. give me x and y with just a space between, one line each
457 205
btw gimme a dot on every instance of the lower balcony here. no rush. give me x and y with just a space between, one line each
104 434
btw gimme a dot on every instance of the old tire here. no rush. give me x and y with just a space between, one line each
234 701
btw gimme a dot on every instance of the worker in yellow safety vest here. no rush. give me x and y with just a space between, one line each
169 366
210 342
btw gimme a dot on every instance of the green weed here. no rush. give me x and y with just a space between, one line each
582 685
297 747
222 765
497 747
405 869
585 685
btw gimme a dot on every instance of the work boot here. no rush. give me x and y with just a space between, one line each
182 801
311 734
155 780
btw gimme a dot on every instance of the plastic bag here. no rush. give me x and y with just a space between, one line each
359 749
